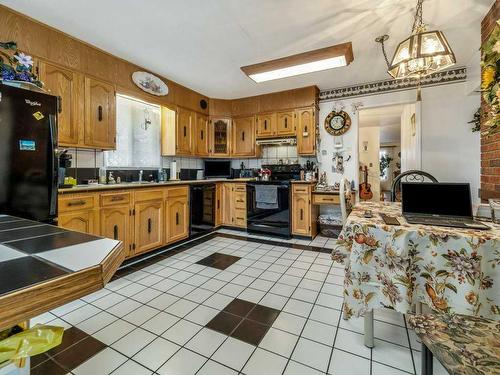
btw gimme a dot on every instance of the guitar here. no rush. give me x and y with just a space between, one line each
365 191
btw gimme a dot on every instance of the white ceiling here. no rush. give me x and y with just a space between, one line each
202 44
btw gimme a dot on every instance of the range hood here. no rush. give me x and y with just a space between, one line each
277 141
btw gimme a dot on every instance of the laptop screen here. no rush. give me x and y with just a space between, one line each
436 199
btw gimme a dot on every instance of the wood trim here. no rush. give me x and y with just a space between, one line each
29 302
344 49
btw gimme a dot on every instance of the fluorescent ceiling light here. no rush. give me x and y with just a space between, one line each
307 62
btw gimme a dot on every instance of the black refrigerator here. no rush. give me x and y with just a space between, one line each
28 154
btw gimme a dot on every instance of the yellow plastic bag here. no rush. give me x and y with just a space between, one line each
30 342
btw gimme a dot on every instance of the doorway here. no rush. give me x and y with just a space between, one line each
388 144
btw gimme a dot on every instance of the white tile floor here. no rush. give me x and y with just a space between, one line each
153 319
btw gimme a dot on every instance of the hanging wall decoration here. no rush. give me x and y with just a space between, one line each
150 83
337 123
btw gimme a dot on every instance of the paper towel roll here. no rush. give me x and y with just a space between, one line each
173 170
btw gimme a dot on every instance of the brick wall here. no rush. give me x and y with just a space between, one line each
490 145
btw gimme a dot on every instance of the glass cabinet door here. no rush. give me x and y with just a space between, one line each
220 128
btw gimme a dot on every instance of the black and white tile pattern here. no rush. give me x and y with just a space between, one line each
156 317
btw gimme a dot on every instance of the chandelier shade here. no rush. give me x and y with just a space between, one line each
421 54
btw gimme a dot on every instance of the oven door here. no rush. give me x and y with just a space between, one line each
269 220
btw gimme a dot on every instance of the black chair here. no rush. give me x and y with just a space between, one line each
409 176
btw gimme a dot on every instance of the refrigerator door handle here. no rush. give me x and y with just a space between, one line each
54 168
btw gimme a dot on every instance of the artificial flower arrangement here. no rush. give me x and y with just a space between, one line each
490 82
17 66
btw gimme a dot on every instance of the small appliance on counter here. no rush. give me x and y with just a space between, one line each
64 164
217 169
28 159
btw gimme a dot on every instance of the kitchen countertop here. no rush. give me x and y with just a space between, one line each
133 185
304 182
43 267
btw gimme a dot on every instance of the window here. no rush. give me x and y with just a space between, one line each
138 132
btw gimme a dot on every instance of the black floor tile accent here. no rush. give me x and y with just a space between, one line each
49 367
219 261
71 337
79 353
18 234
56 241
243 320
22 272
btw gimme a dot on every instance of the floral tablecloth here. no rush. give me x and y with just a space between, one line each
452 270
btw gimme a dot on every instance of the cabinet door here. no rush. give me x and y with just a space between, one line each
177 218
285 124
64 84
115 224
201 135
218 204
266 125
148 225
301 214
227 204
183 131
219 133
100 126
306 131
243 136
80 221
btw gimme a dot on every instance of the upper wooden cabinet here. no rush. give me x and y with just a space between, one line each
65 84
100 126
184 125
306 123
220 131
285 124
266 125
201 135
243 136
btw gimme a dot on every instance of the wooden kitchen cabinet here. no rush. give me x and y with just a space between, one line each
234 209
177 214
81 221
285 124
220 131
218 204
116 224
148 220
65 84
306 123
183 136
304 215
243 137
201 135
266 125
100 126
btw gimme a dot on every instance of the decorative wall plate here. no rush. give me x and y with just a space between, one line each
150 83
337 123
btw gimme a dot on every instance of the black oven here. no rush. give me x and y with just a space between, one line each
265 218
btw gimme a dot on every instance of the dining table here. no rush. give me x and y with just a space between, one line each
451 270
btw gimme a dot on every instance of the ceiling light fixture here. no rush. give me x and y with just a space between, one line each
302 63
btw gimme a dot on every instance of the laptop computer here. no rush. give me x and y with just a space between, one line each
442 204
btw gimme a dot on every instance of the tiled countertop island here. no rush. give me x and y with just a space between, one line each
44 266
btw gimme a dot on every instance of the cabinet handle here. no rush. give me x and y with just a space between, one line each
301 214
99 113
218 203
286 123
176 218
59 104
265 124
185 131
243 136
202 135
149 225
76 203
115 232
117 199
240 200
300 190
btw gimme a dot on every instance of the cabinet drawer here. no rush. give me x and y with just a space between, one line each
240 217
75 203
147 195
326 199
181 191
240 201
240 188
113 199
301 189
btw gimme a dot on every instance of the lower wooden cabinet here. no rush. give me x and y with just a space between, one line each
116 224
234 211
177 214
80 221
304 215
148 233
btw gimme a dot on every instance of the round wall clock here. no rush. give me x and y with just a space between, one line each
150 83
337 123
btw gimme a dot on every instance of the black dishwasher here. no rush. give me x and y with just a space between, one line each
202 209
